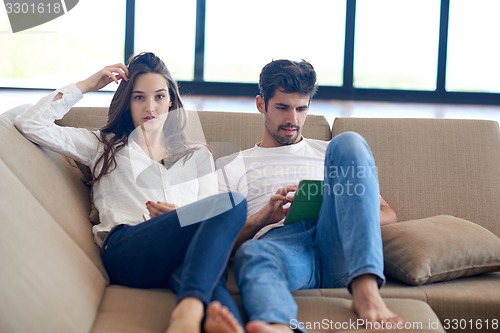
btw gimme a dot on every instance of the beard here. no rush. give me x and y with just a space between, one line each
285 140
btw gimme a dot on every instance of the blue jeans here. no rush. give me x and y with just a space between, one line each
191 260
342 244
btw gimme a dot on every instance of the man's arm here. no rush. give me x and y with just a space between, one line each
272 212
387 214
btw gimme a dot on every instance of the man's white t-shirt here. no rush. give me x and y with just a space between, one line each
258 173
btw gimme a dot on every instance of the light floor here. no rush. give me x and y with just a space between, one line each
329 108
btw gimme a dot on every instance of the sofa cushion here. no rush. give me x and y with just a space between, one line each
134 310
226 132
471 301
54 182
430 167
324 314
438 248
229 132
47 283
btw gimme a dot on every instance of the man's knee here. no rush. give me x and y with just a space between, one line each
348 148
348 142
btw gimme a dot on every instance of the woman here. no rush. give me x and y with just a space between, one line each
162 223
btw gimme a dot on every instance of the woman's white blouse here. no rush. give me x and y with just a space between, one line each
120 196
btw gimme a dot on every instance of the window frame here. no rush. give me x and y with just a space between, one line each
198 86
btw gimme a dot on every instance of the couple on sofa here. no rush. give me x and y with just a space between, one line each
167 221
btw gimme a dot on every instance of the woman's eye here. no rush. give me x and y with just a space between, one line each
137 97
160 96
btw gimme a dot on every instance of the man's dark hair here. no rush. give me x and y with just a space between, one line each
288 76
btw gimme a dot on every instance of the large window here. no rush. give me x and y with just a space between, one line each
167 28
64 50
243 36
396 44
473 47
393 50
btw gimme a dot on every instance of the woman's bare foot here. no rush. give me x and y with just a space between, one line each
368 304
186 316
257 326
220 320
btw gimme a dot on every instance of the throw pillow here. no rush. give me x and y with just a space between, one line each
438 248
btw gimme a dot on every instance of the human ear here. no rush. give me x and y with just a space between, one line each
260 103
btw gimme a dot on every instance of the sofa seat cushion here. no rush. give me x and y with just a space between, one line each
393 289
327 314
148 310
469 300
134 310
438 248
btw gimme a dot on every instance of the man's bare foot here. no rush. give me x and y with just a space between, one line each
186 316
220 320
367 302
257 326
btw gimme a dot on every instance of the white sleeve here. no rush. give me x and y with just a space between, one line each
231 172
37 124
207 176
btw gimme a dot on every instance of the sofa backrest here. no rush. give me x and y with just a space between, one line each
426 166
226 132
430 167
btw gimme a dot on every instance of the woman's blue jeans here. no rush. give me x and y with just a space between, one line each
345 242
148 254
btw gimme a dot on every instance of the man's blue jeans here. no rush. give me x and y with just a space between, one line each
345 242
147 255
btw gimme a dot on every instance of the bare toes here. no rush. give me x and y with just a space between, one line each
220 320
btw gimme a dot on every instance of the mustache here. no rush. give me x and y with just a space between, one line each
289 126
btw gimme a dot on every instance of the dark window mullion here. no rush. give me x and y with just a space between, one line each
129 29
199 47
443 46
350 24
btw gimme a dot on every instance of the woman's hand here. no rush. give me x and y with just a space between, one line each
158 208
104 77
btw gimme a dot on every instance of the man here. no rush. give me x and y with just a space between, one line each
342 247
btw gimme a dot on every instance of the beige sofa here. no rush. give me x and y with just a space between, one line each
52 279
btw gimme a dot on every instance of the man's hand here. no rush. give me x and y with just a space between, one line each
158 208
274 211
271 213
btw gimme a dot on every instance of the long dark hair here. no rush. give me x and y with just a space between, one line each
114 135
